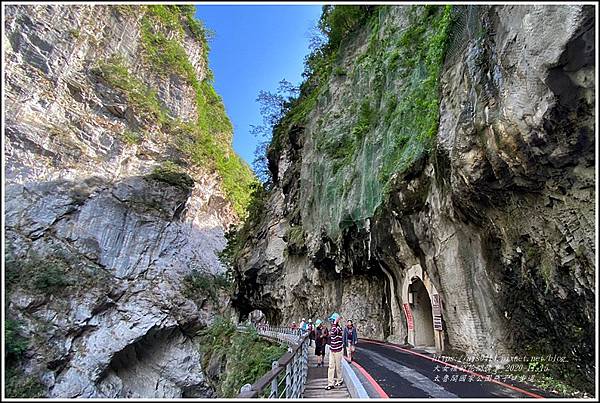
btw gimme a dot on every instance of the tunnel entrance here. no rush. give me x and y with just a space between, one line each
422 305
421 311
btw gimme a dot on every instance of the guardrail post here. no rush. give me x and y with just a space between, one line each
274 392
288 380
294 375
304 364
300 367
300 372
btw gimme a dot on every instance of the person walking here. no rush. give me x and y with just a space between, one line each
311 332
334 372
321 335
350 338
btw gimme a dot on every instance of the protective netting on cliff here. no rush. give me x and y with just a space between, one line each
387 118
466 26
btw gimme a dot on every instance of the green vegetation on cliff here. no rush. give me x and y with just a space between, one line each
18 384
245 356
238 236
200 285
143 99
50 275
336 23
207 142
40 278
415 115
386 61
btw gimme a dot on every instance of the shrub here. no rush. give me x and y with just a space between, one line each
131 137
17 384
166 55
410 59
174 17
206 143
210 143
339 71
50 278
197 285
237 238
12 272
46 275
338 21
15 344
366 117
52 274
20 385
167 15
393 60
296 239
422 56
248 356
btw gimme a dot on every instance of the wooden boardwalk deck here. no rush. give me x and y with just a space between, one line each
317 380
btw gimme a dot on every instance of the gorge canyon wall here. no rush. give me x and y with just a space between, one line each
446 149
111 198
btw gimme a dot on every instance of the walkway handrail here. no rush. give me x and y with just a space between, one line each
287 377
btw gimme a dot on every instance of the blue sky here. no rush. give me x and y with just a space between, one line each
255 46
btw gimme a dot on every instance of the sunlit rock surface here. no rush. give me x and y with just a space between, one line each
74 188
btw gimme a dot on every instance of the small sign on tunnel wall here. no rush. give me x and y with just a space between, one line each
437 312
409 317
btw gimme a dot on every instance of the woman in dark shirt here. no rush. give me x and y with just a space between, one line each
321 335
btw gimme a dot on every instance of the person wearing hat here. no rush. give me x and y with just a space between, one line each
311 332
321 334
334 372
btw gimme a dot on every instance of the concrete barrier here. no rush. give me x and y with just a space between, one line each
355 387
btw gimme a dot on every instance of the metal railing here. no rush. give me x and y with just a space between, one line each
287 376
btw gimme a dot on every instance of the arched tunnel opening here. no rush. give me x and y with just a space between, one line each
422 313
263 310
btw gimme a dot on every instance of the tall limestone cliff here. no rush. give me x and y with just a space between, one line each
434 182
120 180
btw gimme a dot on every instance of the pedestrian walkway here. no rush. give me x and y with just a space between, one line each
317 381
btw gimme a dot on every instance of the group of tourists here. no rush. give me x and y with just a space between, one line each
337 338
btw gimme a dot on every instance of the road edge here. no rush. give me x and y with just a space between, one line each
353 384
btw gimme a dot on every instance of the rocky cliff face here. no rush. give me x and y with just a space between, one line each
108 206
467 168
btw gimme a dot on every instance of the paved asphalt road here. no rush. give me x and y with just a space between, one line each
402 374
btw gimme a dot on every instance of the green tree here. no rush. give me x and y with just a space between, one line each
273 106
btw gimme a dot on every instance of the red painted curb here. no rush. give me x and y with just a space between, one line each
372 381
457 367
